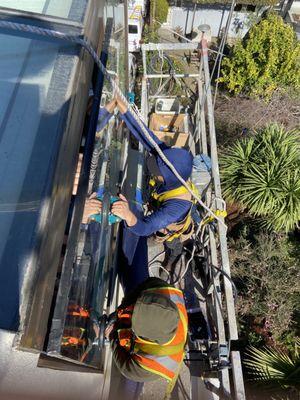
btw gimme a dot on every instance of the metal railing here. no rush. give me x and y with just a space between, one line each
221 298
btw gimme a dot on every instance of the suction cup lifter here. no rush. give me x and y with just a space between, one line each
107 200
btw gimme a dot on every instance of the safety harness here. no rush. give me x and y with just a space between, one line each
182 229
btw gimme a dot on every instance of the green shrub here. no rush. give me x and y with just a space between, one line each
158 15
275 367
161 8
262 174
266 271
266 59
150 35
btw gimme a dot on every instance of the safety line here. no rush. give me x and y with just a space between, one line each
19 27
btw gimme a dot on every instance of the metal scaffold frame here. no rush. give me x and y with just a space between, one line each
220 294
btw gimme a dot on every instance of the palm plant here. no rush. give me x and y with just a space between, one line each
262 173
275 368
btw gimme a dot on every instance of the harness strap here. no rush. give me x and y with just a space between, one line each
174 193
218 213
176 230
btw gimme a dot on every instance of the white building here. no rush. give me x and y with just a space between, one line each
187 16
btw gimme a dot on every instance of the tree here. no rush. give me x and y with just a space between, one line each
158 14
159 10
266 59
262 174
275 367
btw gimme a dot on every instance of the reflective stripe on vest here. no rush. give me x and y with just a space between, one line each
163 360
163 366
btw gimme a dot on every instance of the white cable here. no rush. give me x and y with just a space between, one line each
161 267
181 276
156 257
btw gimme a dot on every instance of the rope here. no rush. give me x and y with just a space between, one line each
136 115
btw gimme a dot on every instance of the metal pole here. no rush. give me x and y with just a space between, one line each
156 76
232 325
144 112
193 19
201 111
152 13
126 46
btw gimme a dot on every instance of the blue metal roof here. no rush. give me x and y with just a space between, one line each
70 9
36 77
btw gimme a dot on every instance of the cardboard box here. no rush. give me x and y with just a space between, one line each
175 139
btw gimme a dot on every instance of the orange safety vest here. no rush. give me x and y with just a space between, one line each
164 360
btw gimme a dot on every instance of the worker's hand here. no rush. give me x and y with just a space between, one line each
121 105
92 206
121 209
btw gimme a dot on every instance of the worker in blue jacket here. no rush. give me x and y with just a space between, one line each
170 220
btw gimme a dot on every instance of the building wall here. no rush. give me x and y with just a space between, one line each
213 15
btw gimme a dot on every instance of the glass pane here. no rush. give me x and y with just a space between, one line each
69 9
34 79
94 266
117 52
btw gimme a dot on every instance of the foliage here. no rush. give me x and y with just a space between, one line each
262 173
150 35
265 268
274 367
266 59
158 14
161 8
